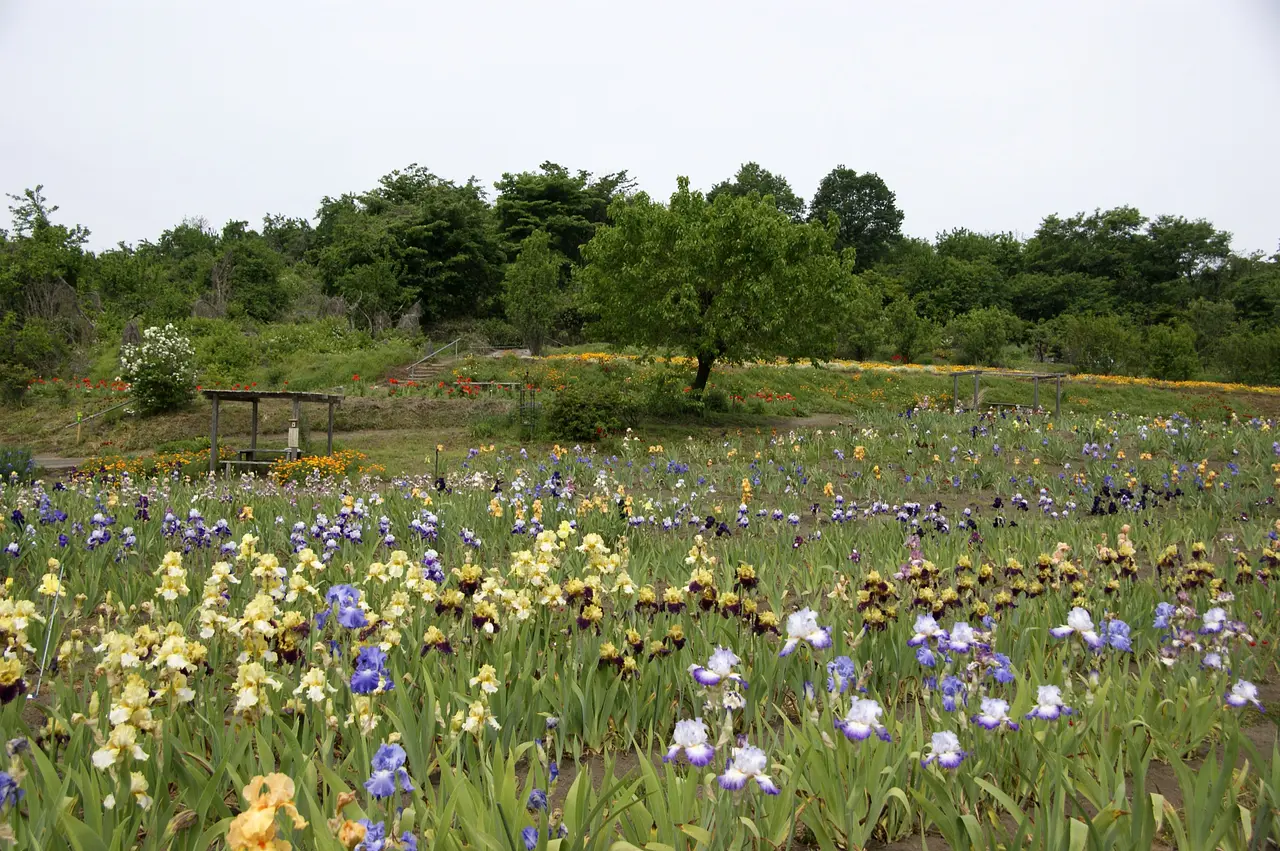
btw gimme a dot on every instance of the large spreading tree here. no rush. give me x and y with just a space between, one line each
724 280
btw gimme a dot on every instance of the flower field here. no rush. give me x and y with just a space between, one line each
973 632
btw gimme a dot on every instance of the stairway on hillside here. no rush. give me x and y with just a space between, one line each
432 371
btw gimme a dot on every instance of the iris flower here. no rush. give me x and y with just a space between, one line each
944 749
748 763
926 630
803 626
1242 694
388 767
1079 621
1213 621
690 739
841 672
1115 632
863 719
719 668
962 638
994 714
1049 705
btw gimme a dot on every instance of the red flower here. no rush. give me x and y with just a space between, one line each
355 377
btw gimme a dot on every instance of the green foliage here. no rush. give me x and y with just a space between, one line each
566 206
862 326
531 290
1040 296
1253 357
223 353
909 333
980 335
1098 344
589 411
752 180
726 280
14 380
252 271
161 370
870 221
416 235
1171 352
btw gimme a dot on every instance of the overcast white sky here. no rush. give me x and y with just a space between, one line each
983 114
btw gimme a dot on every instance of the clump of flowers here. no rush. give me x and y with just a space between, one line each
161 369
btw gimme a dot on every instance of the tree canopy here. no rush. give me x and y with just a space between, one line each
870 221
747 270
722 280
751 179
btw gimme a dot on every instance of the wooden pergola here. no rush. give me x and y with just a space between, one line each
251 455
1036 378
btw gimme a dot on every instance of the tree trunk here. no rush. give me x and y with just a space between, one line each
704 372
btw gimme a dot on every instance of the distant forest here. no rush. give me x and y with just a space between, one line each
1108 291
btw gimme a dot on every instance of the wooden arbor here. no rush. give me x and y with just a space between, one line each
252 455
1036 378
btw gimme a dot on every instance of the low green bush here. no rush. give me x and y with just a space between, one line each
589 411
14 380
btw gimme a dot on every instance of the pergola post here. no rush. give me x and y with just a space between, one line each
955 392
1057 405
253 428
977 376
213 439
294 448
1035 393
329 442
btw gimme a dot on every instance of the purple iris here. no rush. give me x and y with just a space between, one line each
371 672
388 767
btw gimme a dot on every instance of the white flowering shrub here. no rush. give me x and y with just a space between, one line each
161 369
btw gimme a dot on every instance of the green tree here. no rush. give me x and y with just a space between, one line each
1212 322
1040 296
438 240
40 262
752 179
567 206
910 334
870 221
252 271
862 324
1002 250
1102 344
980 335
531 290
289 237
1171 352
726 280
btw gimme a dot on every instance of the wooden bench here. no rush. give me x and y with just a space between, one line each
255 458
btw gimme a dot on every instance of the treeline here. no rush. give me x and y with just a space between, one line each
745 269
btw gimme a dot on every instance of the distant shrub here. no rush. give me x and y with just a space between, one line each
14 380
664 392
1102 344
715 399
161 370
981 335
1171 352
1252 357
16 462
589 411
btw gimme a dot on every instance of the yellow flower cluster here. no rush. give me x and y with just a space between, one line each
340 463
